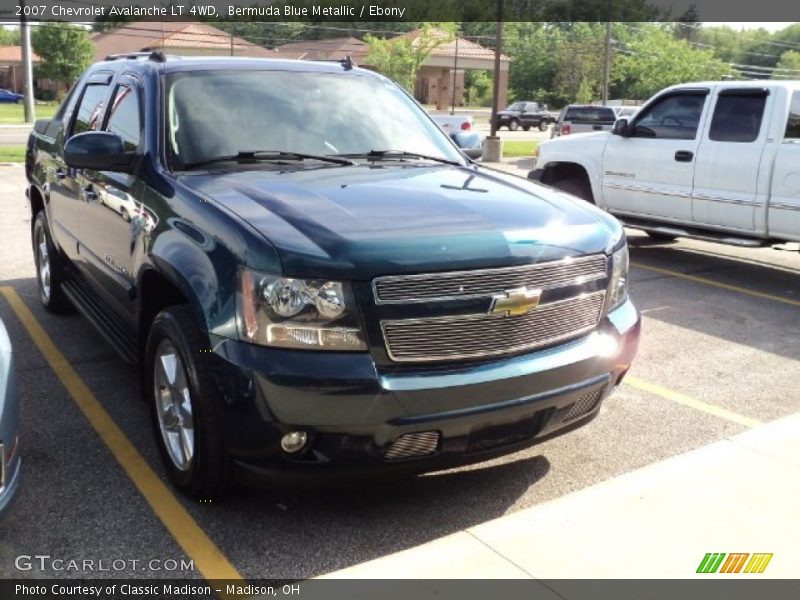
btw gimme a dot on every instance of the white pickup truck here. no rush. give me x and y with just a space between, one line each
714 160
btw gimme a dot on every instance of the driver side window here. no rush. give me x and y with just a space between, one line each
675 117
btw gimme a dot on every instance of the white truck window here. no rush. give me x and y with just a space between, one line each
674 117
793 124
737 116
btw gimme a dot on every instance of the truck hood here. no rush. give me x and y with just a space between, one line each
395 218
589 142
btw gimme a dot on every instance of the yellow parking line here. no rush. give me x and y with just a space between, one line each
711 409
724 286
195 543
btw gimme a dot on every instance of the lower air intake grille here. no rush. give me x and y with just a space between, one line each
583 406
413 444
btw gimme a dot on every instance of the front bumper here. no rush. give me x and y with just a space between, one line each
354 412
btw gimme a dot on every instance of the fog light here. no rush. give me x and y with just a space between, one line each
294 441
605 345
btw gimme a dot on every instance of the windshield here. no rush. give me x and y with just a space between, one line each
218 113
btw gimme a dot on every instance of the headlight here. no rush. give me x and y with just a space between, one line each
618 287
297 313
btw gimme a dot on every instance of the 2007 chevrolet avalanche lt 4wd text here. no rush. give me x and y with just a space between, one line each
311 275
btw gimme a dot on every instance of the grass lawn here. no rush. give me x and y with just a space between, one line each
12 154
14 114
518 148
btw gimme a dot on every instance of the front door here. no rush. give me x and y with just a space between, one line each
651 172
115 218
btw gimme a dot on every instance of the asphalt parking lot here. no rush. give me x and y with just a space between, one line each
719 355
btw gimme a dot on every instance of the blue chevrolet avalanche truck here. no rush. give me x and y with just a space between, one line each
312 277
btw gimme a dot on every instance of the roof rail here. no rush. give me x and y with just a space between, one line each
154 56
346 62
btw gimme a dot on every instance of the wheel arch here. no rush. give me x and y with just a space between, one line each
568 169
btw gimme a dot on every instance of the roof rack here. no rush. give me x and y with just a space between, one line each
346 62
154 56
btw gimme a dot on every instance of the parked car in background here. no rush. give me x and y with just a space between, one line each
714 160
7 96
357 297
583 118
525 115
461 129
10 462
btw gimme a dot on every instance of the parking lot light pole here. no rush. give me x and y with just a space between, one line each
493 149
27 65
455 78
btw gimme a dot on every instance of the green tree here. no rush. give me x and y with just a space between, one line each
580 62
65 51
400 58
9 37
654 59
788 66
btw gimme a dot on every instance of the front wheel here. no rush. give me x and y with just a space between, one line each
184 405
513 125
49 268
543 125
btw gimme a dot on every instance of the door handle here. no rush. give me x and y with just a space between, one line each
88 194
684 156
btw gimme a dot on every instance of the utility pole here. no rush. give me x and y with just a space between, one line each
493 147
607 56
455 78
27 64
496 79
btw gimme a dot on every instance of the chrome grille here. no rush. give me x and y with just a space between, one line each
413 444
480 283
469 336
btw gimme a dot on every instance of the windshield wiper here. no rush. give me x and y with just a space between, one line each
266 155
391 154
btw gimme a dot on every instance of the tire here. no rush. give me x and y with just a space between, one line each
125 215
513 125
576 187
662 237
526 128
543 125
49 268
194 456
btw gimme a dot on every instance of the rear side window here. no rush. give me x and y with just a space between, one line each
737 117
591 114
90 109
793 124
124 119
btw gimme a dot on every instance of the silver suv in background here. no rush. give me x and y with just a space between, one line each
583 118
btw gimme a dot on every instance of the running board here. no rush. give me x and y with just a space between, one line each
697 234
107 323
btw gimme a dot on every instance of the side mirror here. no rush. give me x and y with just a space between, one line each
469 142
98 151
621 128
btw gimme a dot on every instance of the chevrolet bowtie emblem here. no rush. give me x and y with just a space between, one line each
515 302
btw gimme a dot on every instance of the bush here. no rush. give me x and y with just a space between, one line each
44 95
